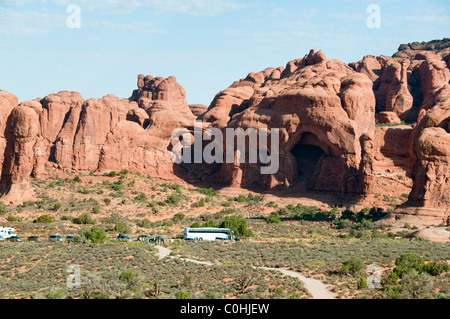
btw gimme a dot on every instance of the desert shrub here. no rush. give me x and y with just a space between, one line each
238 225
57 207
111 174
44 219
250 199
413 285
124 172
168 223
84 219
351 266
182 295
114 218
362 283
96 209
174 199
343 224
131 279
348 214
107 201
95 235
407 262
116 186
12 218
117 194
364 224
412 278
77 179
272 204
66 217
83 190
273 219
141 197
200 203
435 268
3 209
211 224
196 225
178 217
207 191
175 187
122 228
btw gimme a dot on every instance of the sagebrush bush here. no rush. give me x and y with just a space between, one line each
84 219
95 235
44 219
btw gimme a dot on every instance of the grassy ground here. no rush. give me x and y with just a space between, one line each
112 270
307 239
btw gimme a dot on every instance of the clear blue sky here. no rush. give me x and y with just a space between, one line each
206 44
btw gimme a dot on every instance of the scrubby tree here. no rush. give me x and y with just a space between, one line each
238 225
44 219
95 235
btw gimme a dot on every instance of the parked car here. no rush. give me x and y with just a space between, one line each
157 240
124 238
33 238
55 238
15 239
144 238
70 238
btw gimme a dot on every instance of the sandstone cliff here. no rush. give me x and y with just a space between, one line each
326 111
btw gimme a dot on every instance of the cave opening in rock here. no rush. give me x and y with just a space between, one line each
307 154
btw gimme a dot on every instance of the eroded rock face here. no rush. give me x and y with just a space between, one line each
139 116
432 173
21 135
8 102
409 50
388 118
235 99
129 146
146 148
198 109
323 109
97 118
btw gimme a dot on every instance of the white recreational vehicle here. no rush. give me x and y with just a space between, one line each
7 232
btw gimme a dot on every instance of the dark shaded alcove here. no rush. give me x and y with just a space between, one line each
307 154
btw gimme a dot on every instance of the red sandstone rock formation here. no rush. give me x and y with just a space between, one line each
388 118
324 108
8 102
21 132
198 109
409 50
98 117
147 151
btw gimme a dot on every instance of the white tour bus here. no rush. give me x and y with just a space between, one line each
212 234
7 232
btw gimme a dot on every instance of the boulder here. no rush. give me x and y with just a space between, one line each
139 116
389 118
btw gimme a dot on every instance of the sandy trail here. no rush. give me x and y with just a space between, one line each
315 287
